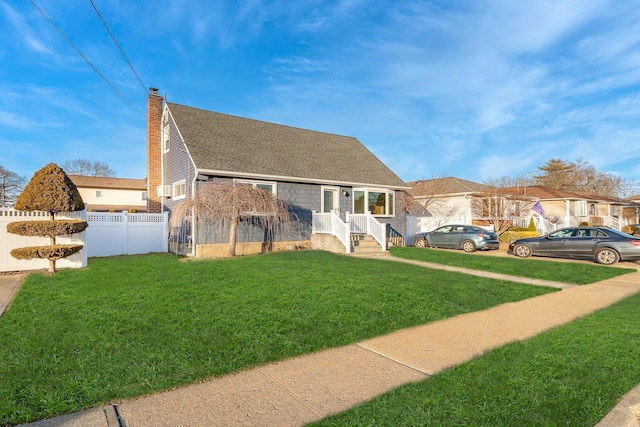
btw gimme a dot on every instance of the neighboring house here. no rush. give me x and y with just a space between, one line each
105 194
448 199
567 209
632 211
323 177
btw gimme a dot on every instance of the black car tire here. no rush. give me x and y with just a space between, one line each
421 243
468 246
522 251
607 256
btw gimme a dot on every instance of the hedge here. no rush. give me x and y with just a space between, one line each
510 236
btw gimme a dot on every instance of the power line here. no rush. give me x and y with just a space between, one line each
119 48
84 57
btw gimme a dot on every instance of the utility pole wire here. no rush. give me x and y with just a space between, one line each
118 45
85 58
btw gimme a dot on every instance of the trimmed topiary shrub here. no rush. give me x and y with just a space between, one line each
629 229
47 228
50 190
49 252
532 225
584 224
597 221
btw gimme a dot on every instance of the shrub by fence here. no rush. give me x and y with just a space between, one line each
108 234
10 241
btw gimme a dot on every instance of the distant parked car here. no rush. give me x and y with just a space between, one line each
469 238
602 244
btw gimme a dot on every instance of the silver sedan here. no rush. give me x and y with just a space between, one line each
604 245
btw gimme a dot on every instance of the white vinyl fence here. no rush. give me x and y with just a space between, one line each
125 233
10 241
421 224
108 234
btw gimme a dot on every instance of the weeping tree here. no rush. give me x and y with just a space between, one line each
225 205
50 190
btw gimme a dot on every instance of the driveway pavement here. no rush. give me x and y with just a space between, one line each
308 388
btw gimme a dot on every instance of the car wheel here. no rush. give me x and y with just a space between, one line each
468 246
607 256
522 251
421 243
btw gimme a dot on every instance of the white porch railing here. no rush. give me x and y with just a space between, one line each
368 224
543 225
331 223
612 222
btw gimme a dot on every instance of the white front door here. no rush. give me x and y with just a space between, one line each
330 200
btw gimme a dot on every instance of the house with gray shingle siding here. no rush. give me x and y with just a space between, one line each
318 174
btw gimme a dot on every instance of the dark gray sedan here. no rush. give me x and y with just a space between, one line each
469 238
604 245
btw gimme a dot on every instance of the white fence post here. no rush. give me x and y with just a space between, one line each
125 241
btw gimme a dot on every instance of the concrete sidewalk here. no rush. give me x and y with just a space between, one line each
308 388
9 285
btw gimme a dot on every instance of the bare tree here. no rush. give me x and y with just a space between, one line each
88 168
227 204
11 184
500 205
424 194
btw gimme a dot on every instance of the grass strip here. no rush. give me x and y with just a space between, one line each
565 272
133 325
570 376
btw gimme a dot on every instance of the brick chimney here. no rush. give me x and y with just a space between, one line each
154 150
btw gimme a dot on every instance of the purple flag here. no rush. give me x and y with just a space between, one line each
537 207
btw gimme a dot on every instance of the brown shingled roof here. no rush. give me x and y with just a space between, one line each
108 182
224 144
546 193
447 185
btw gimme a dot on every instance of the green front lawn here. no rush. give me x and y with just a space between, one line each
127 326
545 269
571 376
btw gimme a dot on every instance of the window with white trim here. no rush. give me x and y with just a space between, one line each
144 195
380 202
166 138
268 186
581 208
179 190
98 193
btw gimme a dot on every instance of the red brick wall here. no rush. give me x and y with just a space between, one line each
154 151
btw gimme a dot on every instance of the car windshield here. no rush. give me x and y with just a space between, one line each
567 232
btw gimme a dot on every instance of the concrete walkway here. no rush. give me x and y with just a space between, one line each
9 285
308 388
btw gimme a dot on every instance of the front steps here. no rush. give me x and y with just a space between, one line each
365 245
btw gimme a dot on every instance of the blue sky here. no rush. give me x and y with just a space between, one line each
476 90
